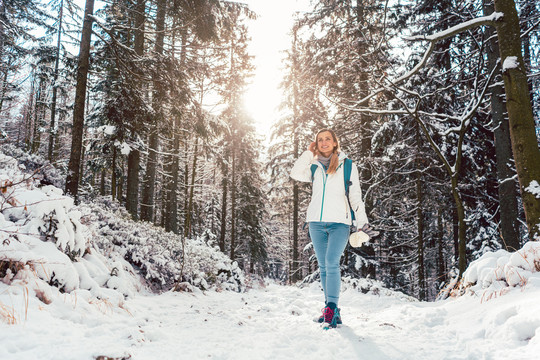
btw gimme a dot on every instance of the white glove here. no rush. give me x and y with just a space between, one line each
358 238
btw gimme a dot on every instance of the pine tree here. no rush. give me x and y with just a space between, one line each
72 181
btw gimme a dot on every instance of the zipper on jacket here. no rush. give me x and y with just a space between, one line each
347 208
325 178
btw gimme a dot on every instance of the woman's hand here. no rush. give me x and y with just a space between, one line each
369 231
313 148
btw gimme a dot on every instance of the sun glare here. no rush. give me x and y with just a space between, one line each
261 102
270 34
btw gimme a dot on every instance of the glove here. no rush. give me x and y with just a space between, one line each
356 239
369 231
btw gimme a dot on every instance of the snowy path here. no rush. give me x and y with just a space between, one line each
276 322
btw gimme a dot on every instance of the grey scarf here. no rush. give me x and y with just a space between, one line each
324 160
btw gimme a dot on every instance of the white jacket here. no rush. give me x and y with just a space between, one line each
328 200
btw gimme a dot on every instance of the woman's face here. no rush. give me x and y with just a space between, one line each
326 143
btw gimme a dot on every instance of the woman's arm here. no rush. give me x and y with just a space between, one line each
301 170
355 197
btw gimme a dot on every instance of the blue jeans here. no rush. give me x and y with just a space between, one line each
329 241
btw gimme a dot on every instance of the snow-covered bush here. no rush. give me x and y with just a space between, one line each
51 246
39 210
372 287
43 171
43 244
496 273
158 254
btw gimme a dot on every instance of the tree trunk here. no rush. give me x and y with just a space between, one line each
52 129
189 215
58 134
148 194
420 228
29 114
132 195
83 152
120 193
149 186
462 227
102 183
296 200
72 180
224 186
172 216
520 115
527 13
134 157
441 263
172 223
363 79
36 137
165 192
503 149
186 179
5 84
233 204
2 28
113 175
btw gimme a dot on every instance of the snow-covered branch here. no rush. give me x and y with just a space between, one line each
441 35
526 33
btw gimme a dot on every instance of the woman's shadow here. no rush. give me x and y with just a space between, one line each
363 346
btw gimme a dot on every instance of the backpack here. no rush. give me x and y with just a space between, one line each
347 168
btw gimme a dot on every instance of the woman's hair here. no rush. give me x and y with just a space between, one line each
334 160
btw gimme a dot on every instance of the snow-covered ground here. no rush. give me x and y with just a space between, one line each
274 322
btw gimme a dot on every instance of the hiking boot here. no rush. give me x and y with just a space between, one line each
328 313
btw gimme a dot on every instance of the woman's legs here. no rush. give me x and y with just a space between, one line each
329 241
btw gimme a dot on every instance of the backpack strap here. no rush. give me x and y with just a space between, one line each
347 169
313 169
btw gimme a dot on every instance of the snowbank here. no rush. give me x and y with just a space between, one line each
496 273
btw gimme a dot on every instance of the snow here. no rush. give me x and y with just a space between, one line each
496 16
107 129
124 147
69 289
534 188
510 62
272 322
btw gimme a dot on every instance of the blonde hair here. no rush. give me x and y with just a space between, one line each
334 159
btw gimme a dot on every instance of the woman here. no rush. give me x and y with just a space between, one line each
328 213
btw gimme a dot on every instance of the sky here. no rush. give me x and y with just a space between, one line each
270 35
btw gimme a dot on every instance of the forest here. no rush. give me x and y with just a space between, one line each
139 104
